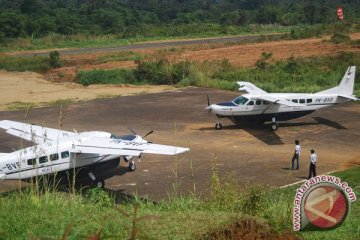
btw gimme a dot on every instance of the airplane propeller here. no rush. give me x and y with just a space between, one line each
208 103
148 134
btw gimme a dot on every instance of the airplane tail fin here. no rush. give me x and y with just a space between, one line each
346 86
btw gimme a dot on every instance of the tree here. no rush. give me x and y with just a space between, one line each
11 24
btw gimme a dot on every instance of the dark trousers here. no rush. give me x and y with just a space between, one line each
312 170
296 156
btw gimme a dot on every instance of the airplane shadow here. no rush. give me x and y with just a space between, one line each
264 134
329 123
261 132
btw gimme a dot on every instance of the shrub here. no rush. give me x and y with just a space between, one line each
98 196
54 59
338 38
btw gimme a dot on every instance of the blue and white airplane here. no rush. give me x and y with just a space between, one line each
58 152
260 106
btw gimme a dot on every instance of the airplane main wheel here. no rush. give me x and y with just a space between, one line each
99 183
274 126
132 166
218 126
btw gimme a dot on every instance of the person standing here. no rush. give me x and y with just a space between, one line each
296 155
312 168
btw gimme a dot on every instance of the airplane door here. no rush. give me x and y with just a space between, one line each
249 106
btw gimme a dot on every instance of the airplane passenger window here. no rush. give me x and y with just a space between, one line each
43 159
302 100
65 154
54 157
295 100
251 103
308 100
240 100
31 161
265 102
258 102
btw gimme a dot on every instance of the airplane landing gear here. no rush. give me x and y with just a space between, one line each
274 126
132 166
218 125
96 182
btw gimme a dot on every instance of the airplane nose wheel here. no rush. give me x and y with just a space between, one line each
274 126
132 166
218 126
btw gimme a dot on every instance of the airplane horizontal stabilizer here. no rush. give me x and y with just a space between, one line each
349 97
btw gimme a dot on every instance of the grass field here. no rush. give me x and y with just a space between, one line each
53 214
292 75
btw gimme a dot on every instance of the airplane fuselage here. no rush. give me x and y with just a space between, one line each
49 158
243 108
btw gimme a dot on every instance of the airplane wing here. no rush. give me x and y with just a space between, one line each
34 133
278 101
101 145
250 88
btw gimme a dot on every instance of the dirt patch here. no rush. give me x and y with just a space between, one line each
243 55
20 89
249 229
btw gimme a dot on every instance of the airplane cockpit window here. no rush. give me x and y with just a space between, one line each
258 102
128 137
250 103
240 100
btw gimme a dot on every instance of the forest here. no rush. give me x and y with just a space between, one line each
146 18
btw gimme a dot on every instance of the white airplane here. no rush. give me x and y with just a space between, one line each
57 151
260 106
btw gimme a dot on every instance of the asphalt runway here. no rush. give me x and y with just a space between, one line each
159 44
253 154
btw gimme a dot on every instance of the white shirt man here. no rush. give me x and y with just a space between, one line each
313 160
296 155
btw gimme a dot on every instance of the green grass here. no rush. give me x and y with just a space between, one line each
122 56
30 214
22 64
19 105
114 76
